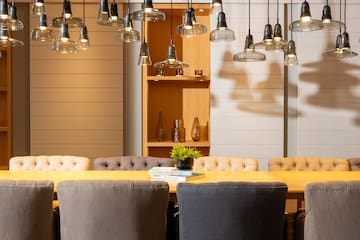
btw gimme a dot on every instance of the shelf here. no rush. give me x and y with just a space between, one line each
179 78
187 143
4 129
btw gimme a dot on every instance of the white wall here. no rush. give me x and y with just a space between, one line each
76 100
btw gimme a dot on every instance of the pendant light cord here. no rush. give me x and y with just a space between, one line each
84 12
345 16
340 18
291 18
277 11
128 7
171 21
268 11
249 17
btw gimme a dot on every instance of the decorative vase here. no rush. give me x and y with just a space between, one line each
160 131
195 130
185 164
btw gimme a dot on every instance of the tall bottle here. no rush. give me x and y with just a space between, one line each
195 130
160 131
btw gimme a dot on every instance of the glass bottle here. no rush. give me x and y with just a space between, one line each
195 130
160 131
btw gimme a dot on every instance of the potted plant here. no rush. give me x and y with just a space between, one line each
184 156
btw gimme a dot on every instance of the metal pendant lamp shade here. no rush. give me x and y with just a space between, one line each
149 13
249 54
328 23
4 10
64 44
128 34
216 6
14 23
42 32
104 15
290 57
268 40
190 27
144 55
115 20
38 7
306 22
67 16
222 33
6 40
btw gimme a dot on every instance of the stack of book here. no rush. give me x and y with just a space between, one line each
172 174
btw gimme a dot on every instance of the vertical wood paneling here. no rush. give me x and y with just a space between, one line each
76 100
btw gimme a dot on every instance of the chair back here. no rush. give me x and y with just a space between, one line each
26 210
332 211
49 163
231 210
131 163
308 164
354 164
113 210
215 163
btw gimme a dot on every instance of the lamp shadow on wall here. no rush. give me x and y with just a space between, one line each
335 86
265 97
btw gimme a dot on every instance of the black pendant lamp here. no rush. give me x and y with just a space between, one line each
306 22
291 57
328 23
128 34
67 17
149 13
190 27
222 33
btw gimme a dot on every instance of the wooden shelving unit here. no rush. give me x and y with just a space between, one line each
177 97
5 108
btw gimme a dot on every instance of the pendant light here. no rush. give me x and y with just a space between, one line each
67 17
127 33
42 32
328 23
63 44
13 23
190 27
38 7
222 33
345 49
144 55
306 22
249 54
268 40
149 13
171 60
4 13
83 42
115 20
104 15
6 40
290 57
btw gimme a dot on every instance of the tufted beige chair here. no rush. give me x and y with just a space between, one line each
131 163
354 164
51 162
308 164
214 163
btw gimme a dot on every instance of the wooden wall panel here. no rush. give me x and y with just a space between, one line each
77 99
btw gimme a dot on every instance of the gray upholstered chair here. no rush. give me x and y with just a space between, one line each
218 163
231 211
26 210
49 162
308 164
332 211
113 210
131 163
354 164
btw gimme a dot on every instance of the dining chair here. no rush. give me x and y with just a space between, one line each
220 163
26 210
113 210
332 211
231 210
131 163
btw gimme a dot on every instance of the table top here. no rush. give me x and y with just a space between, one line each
296 180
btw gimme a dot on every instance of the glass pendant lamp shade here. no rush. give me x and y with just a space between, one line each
128 34
171 60
104 15
64 44
83 42
190 29
38 7
3 10
67 15
144 55
249 54
290 57
13 23
42 32
306 22
6 40
328 23
222 33
149 13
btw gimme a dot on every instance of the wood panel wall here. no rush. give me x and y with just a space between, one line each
76 100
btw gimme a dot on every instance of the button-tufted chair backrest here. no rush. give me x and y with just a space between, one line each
308 164
354 164
50 162
131 163
213 163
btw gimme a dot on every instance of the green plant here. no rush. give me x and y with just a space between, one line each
183 152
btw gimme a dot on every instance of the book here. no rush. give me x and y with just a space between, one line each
172 171
175 178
